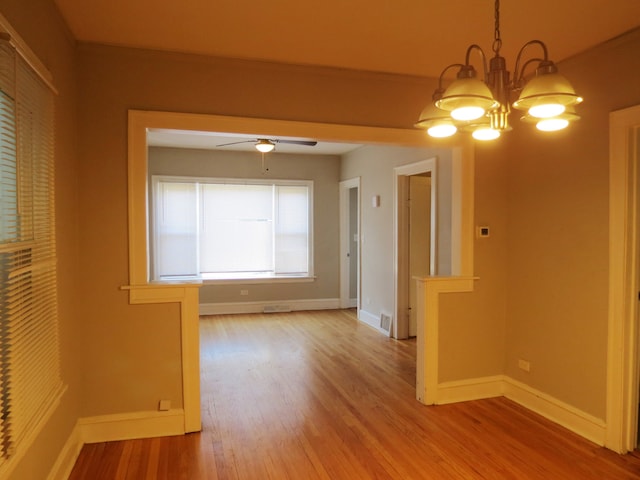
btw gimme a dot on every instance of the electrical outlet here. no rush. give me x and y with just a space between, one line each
524 365
164 405
244 292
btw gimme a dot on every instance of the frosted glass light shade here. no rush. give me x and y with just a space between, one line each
442 130
437 122
265 146
470 94
552 124
547 89
546 110
485 134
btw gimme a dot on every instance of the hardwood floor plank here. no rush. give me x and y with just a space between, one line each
320 396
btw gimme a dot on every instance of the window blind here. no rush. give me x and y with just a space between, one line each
219 229
30 380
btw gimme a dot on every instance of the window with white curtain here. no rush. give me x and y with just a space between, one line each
221 229
30 380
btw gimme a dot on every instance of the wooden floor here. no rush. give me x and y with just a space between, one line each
316 395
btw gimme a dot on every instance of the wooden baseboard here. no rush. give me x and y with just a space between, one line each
108 428
258 307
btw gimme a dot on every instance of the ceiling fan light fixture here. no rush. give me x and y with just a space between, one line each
265 146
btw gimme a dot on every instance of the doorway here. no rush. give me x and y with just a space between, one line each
415 246
419 226
623 360
350 243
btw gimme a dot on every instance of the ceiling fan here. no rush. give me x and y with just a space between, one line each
265 145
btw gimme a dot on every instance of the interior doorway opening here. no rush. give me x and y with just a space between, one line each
350 244
416 238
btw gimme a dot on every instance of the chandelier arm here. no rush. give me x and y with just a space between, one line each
518 72
482 55
453 65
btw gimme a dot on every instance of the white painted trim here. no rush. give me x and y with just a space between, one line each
32 434
569 417
140 121
471 389
257 307
373 321
582 423
400 239
428 298
67 457
27 54
622 346
186 295
345 262
127 426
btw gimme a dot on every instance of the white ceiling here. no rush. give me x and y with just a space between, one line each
217 141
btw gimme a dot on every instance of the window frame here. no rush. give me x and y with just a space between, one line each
154 210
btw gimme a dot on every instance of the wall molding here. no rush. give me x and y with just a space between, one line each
109 428
372 321
258 307
67 457
472 389
572 418
565 415
127 426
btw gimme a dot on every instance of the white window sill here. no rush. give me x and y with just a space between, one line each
256 279
243 279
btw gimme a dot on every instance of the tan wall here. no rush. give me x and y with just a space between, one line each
558 234
132 353
324 170
473 325
545 201
39 24
375 167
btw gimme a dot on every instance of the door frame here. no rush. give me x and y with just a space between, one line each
401 237
345 241
623 380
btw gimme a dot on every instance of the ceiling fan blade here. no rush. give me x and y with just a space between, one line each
235 143
308 143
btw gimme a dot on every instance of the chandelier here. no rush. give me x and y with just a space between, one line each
482 107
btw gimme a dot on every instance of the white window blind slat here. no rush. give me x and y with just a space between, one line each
29 349
235 230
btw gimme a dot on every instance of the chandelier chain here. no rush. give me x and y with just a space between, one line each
497 41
